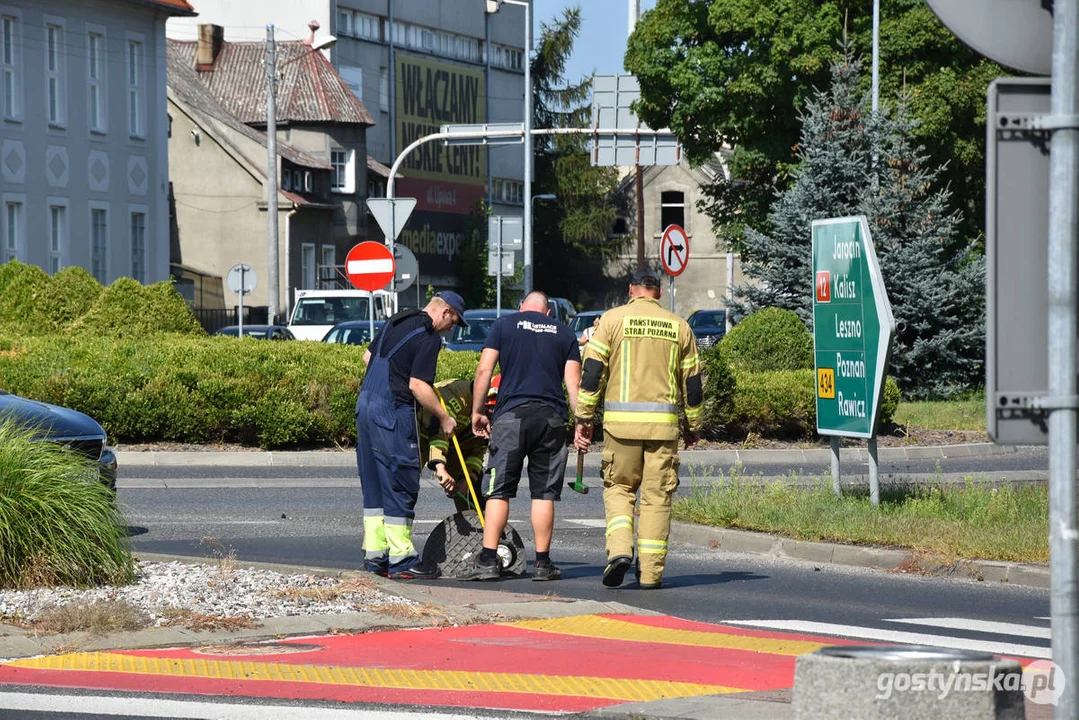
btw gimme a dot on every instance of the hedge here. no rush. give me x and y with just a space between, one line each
301 394
769 339
210 389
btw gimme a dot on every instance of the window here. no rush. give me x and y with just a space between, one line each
344 173
368 27
507 57
99 243
307 184
344 22
54 77
13 230
672 209
9 69
353 77
307 266
508 191
58 234
138 246
384 89
95 79
134 89
286 179
326 271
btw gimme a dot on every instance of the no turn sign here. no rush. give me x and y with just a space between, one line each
369 266
674 250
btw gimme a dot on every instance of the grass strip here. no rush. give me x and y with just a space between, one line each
969 521
942 414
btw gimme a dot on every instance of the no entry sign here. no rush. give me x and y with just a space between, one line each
369 266
674 250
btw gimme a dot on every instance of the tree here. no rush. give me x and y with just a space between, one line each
737 72
835 153
851 163
571 232
937 290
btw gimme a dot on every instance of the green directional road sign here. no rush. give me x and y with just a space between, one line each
852 327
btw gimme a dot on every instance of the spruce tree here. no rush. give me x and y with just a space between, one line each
835 154
854 163
937 291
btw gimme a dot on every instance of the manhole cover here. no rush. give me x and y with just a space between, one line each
256 649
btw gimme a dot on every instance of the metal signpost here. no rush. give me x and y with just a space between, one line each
674 255
503 234
1032 227
242 280
391 214
852 337
370 266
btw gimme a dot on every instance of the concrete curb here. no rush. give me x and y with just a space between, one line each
312 458
1021 574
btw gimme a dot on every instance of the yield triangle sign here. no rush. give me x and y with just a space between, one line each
391 214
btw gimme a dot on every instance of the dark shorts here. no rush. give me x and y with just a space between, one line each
534 431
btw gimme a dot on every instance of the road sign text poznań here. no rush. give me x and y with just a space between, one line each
852 327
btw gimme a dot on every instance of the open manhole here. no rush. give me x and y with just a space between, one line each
250 649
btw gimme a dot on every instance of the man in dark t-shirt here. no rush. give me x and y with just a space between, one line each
400 372
536 354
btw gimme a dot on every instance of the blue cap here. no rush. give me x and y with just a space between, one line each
456 302
644 276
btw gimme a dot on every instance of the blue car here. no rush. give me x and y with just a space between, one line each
352 332
708 326
472 337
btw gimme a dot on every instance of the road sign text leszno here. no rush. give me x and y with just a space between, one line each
852 327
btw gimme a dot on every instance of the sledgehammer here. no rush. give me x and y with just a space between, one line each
578 484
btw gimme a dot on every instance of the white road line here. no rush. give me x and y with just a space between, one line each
1031 631
895 636
155 708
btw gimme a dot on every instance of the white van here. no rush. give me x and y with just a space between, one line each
316 311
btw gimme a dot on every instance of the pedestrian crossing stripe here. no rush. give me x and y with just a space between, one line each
609 628
621 689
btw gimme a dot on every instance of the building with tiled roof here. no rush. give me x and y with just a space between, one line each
83 136
217 105
415 64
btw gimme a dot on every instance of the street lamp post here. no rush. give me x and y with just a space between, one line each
494 6
272 258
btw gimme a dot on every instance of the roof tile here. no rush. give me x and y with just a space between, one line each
309 89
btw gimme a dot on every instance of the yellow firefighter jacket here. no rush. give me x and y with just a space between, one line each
648 358
435 446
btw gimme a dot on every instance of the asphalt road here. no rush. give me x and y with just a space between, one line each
312 516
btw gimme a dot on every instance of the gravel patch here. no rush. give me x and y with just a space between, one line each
161 590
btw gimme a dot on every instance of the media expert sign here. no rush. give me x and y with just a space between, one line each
430 95
852 327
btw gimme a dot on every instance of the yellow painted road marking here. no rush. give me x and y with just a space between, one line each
597 687
594 626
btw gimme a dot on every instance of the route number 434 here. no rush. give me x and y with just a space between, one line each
826 383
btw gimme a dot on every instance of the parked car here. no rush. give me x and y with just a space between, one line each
352 332
70 428
259 332
562 309
317 311
709 326
583 320
473 336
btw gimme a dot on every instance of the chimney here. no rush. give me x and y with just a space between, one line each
211 38
313 26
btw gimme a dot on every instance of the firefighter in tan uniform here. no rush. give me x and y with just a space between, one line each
436 448
647 357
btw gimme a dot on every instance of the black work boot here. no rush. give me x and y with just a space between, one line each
616 569
481 571
546 571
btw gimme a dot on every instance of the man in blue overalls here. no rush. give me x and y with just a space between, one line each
400 372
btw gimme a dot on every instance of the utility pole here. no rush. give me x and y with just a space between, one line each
271 177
